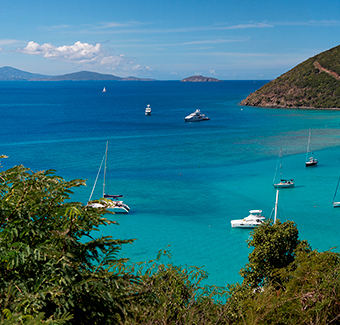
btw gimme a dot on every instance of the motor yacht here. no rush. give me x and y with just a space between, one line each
148 110
196 116
254 219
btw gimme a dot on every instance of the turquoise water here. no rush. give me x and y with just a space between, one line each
184 182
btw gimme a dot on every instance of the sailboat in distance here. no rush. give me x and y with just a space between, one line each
283 183
336 204
311 161
109 202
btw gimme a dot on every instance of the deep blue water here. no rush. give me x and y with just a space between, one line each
184 182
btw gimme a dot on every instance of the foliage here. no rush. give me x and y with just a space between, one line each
54 272
46 265
175 295
275 246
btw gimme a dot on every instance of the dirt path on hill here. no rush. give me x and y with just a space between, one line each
321 68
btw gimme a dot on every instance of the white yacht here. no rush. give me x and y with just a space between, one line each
104 90
254 219
196 116
148 110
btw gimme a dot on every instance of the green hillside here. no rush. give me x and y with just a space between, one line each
315 83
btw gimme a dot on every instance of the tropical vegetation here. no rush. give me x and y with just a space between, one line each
56 268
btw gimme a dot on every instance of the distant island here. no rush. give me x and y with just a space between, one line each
314 83
200 79
12 74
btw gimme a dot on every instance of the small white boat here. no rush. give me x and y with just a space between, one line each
104 90
284 183
311 161
148 110
109 202
254 219
196 116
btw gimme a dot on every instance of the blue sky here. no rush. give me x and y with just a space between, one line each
166 40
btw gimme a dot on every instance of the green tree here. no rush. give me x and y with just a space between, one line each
274 247
49 261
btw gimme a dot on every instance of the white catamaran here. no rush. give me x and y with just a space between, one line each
110 202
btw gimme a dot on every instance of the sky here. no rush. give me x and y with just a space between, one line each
166 39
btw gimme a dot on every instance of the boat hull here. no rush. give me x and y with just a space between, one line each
336 204
310 164
243 225
197 120
283 185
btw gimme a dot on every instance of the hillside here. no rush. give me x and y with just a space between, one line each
314 83
200 79
12 74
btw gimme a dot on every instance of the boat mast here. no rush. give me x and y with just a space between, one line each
336 190
308 144
107 144
276 203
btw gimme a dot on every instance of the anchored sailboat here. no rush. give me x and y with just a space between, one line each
110 202
311 161
336 204
283 183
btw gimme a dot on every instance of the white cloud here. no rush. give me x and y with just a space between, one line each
79 52
84 54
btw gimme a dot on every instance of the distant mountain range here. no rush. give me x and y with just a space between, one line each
12 74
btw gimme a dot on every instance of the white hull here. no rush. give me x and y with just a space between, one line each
336 204
244 225
282 185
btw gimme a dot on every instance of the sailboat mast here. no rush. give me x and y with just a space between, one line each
336 190
276 203
107 144
308 144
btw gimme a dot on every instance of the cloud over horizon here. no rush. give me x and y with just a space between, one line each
83 54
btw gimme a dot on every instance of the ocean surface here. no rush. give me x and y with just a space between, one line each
184 182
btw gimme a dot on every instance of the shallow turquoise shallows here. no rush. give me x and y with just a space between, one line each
183 181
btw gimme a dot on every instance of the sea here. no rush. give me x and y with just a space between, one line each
184 182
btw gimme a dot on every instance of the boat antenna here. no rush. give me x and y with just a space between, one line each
107 145
96 178
276 202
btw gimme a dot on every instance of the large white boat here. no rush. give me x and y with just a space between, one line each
148 110
196 116
254 219
108 202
